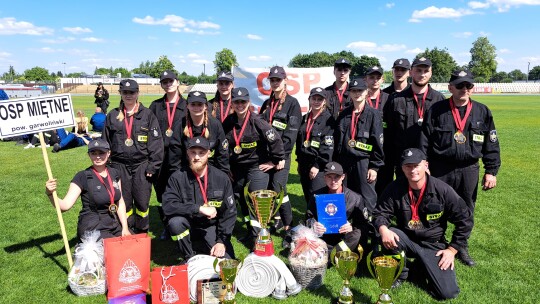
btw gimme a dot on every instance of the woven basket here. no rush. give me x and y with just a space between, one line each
309 277
81 290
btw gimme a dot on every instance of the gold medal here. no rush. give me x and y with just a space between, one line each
414 224
352 143
237 150
129 142
306 144
113 208
420 121
168 133
460 137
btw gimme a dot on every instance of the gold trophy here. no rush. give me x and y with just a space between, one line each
385 273
262 204
346 263
228 268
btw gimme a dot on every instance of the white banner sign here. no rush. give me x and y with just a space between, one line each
36 114
299 82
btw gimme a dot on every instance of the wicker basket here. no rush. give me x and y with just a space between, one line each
309 277
83 290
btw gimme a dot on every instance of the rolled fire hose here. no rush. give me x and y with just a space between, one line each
292 286
200 267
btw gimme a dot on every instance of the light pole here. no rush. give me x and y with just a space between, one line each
204 68
64 69
528 66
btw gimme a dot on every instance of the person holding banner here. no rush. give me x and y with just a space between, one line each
99 187
221 103
254 148
199 205
315 143
337 93
134 134
283 113
198 122
457 132
359 143
169 110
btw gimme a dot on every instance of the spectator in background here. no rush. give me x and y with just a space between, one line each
102 97
98 120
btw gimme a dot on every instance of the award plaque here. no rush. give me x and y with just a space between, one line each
210 291
331 211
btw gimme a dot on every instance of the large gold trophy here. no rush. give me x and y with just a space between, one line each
262 204
228 268
385 273
346 263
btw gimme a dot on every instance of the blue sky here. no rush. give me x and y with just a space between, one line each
86 34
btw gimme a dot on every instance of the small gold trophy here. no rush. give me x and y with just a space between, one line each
346 263
228 268
385 273
262 204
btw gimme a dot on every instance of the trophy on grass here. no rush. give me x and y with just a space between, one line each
385 273
346 263
228 268
263 205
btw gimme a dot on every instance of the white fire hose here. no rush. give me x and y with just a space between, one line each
200 267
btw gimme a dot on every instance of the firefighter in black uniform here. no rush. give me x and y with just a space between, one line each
199 205
337 94
359 143
376 98
136 143
221 103
169 111
198 122
357 224
422 206
404 114
283 112
254 148
315 143
457 133
400 75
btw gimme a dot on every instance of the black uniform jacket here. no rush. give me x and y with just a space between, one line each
321 141
159 108
401 119
146 135
183 197
438 142
285 121
219 145
440 205
260 143
369 138
332 100
391 91
214 106
382 102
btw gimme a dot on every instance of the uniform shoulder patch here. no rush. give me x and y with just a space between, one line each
329 140
271 135
225 144
493 135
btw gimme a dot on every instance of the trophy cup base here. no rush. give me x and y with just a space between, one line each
264 249
384 298
339 301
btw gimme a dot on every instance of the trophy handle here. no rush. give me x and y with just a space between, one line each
281 194
333 256
248 199
370 264
216 261
401 264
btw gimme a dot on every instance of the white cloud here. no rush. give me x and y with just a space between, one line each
477 5
390 5
253 37
435 12
48 50
259 58
367 46
201 61
484 34
10 26
462 35
504 51
93 39
179 24
500 60
532 60
77 30
414 51
505 5
382 23
193 56
4 54
58 40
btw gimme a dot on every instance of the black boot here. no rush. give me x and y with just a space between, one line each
465 258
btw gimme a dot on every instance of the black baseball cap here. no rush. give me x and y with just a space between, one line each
333 168
240 94
129 85
277 72
402 63
412 156
168 74
358 84
198 141
317 91
374 69
342 62
460 76
98 144
196 96
225 76
421 61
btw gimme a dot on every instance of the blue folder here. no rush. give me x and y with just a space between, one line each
331 211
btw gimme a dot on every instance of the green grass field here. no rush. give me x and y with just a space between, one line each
504 241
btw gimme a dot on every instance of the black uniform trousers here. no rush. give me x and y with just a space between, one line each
136 191
356 180
160 183
193 240
309 186
443 283
278 181
385 175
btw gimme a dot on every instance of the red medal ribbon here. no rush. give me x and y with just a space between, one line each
310 127
190 129
354 121
340 96
203 189
273 108
223 116
376 102
460 123
110 189
170 113
420 108
239 136
415 203
128 124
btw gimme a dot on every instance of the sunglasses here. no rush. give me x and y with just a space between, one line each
240 101
462 85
